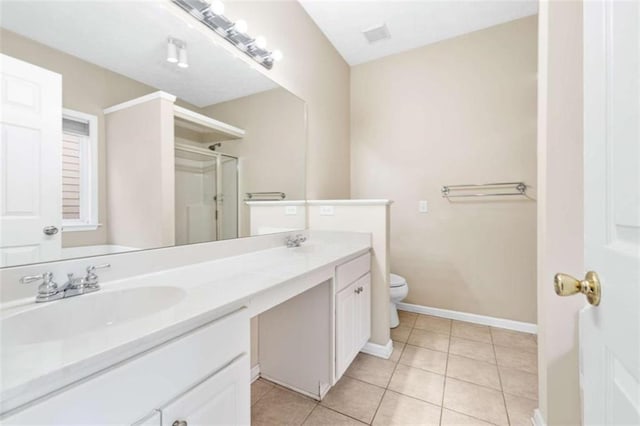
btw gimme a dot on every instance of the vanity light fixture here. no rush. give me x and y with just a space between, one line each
211 14
240 26
261 42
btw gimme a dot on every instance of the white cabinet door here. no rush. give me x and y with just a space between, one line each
346 327
153 419
30 161
353 322
364 311
222 399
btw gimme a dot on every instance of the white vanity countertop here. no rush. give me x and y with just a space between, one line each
34 365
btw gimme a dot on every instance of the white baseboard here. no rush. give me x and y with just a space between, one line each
255 373
381 351
525 327
537 419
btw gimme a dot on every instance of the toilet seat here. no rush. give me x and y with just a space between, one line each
396 281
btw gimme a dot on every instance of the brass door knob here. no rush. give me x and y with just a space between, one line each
566 285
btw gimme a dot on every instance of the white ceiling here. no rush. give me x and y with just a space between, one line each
130 38
411 23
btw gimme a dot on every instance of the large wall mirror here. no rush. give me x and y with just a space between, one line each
126 125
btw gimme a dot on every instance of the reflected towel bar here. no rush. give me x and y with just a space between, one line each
265 196
520 188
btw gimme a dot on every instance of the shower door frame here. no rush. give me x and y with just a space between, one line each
219 217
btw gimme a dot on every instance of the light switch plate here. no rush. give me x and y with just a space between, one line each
290 210
423 206
326 210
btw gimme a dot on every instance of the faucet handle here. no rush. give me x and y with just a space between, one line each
92 268
48 286
46 277
91 280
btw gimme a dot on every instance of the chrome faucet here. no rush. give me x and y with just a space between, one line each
49 290
295 241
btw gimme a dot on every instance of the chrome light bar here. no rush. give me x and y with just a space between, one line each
201 10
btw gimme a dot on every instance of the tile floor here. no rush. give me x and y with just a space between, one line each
441 372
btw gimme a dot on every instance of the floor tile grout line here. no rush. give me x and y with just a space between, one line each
343 414
446 366
469 415
504 399
312 410
386 389
271 387
520 396
363 381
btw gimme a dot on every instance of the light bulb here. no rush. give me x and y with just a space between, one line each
183 62
217 7
276 55
261 42
240 26
172 52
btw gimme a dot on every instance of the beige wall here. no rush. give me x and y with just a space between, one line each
460 111
313 70
140 175
273 150
560 207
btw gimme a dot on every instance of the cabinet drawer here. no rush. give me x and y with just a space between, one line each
130 391
352 270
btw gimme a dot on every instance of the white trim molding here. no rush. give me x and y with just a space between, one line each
537 419
381 351
255 373
508 324
140 100
276 203
349 202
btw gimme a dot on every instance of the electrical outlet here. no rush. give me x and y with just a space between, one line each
326 210
290 210
423 206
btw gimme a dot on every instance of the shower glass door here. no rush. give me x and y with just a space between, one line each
206 195
228 198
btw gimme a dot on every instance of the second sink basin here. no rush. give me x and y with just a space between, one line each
66 318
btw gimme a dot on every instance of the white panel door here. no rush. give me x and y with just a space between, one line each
222 399
30 162
610 332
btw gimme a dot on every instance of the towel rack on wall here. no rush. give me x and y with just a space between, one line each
265 196
498 189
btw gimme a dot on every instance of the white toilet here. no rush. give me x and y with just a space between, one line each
398 290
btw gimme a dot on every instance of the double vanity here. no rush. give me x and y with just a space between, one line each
174 345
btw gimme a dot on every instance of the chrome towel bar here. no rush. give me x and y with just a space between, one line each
498 189
265 196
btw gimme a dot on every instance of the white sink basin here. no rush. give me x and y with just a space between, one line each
62 319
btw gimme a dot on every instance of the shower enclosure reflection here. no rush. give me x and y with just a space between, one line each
206 195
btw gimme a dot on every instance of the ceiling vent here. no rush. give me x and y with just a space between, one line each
377 33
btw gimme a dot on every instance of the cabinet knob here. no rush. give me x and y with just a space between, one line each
179 423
